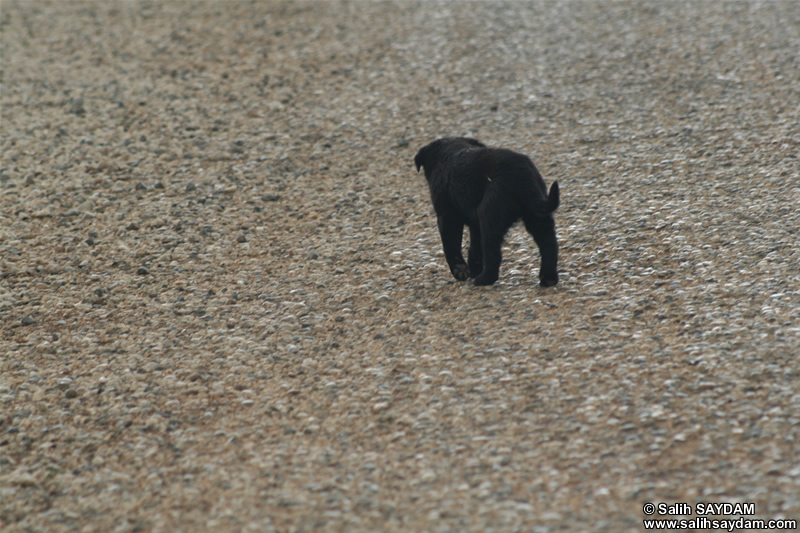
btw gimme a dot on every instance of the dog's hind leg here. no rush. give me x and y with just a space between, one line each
543 230
492 231
475 255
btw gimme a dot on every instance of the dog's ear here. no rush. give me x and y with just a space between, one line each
554 198
419 160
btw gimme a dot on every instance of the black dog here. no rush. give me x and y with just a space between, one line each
488 189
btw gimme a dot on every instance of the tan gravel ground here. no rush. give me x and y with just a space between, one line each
223 303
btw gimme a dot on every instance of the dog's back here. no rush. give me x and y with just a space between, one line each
469 170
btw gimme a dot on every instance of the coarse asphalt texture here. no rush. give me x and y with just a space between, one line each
224 304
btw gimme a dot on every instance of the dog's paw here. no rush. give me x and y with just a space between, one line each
475 269
460 272
548 279
485 279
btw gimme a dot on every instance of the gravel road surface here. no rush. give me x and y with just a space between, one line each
224 304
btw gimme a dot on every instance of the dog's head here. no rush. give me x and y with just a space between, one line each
429 154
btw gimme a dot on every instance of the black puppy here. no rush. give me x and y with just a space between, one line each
488 189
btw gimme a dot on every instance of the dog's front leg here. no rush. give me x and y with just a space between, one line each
451 230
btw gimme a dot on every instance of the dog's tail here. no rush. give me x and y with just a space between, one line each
554 198
542 204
